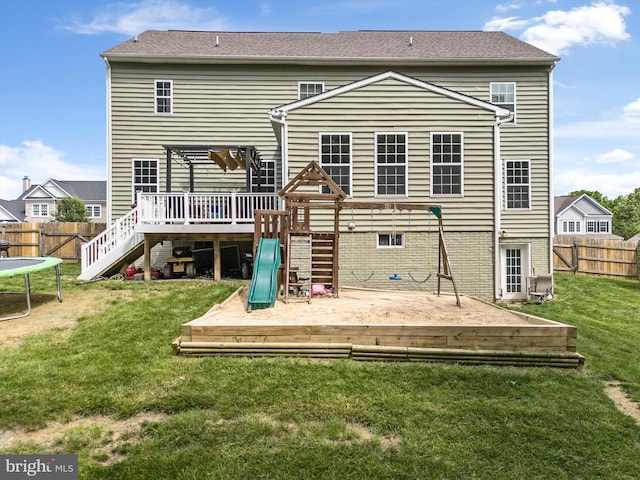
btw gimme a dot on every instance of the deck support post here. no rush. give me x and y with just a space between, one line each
147 259
217 264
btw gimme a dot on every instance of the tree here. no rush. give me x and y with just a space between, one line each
71 209
626 214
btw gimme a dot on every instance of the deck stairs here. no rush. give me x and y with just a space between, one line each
113 249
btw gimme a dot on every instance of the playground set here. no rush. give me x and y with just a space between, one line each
293 260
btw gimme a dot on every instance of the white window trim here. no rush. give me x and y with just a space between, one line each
39 214
514 121
272 162
320 134
506 185
155 97
133 176
93 206
309 82
375 165
525 273
446 195
402 236
576 223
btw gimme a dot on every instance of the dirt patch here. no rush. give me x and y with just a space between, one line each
622 402
48 313
104 434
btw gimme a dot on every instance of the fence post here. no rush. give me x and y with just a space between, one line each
574 257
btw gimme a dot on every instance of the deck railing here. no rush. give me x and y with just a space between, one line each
187 208
174 209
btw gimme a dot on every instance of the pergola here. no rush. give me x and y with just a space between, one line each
227 157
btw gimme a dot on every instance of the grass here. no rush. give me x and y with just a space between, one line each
231 418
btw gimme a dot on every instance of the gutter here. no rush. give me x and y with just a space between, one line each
311 60
280 117
497 201
108 146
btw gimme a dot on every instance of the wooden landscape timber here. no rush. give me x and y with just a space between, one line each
480 334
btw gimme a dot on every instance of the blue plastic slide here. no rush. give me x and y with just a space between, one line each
264 283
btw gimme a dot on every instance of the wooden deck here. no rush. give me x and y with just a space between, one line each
382 325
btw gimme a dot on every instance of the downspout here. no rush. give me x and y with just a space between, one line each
497 202
108 152
551 161
280 117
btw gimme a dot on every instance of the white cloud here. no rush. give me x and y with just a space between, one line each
611 185
631 112
497 24
40 162
504 7
625 125
617 155
135 17
557 31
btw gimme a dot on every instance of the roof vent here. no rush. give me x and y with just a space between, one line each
411 41
135 39
217 40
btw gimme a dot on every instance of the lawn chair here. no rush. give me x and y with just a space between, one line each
543 287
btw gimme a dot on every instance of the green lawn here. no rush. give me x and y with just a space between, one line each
238 418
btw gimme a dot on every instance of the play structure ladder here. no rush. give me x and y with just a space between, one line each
322 250
299 267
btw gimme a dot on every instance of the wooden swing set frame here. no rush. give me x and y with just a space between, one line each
444 265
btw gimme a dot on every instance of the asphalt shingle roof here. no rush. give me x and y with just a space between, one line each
363 45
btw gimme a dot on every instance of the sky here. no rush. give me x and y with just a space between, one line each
53 80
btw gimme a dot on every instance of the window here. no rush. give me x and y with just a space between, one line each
309 89
145 176
504 95
517 184
39 210
390 240
570 226
94 211
391 163
597 226
335 158
267 177
164 96
446 163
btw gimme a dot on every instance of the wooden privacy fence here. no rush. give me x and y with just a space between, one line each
611 258
56 239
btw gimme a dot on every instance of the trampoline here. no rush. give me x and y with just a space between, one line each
24 266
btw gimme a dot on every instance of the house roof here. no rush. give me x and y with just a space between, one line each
362 46
86 190
584 203
11 210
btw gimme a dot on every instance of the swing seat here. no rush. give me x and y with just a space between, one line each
395 276
418 280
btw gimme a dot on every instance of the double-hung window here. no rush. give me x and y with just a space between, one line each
503 94
93 211
446 163
391 164
335 159
145 176
309 89
518 193
570 226
164 96
597 226
40 210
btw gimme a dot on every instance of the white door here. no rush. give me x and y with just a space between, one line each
515 270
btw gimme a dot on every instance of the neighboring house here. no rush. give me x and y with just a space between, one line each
11 211
40 202
582 215
456 119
